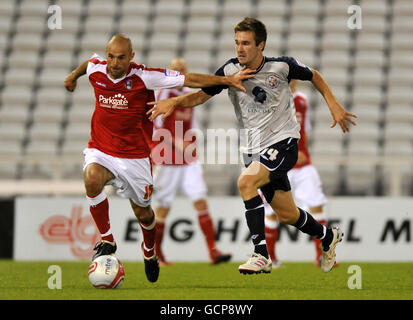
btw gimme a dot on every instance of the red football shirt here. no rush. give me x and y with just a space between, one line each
173 129
301 113
120 126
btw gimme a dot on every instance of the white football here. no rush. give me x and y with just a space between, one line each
106 272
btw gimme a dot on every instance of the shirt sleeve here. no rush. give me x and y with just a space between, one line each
95 62
156 79
297 70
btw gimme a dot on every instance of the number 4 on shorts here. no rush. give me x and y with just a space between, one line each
272 153
148 191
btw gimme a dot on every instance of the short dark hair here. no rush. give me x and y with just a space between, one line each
254 25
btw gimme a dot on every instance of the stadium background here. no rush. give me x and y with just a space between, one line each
43 129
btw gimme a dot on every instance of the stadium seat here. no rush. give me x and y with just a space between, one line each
168 24
235 8
77 131
202 8
98 8
367 77
170 8
330 177
396 131
17 77
34 7
14 114
269 10
369 59
335 41
402 148
326 148
44 113
403 8
399 94
46 132
399 113
361 179
12 132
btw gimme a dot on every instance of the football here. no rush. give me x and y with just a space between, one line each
106 272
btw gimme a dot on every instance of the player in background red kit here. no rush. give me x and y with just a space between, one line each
176 171
305 182
118 152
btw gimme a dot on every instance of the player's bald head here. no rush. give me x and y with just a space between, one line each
119 55
120 40
179 64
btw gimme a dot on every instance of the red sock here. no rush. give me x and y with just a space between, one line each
207 227
149 233
271 235
99 208
160 227
317 243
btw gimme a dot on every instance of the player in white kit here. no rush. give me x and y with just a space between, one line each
266 112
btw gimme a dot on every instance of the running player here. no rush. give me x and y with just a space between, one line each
266 111
176 171
305 182
118 153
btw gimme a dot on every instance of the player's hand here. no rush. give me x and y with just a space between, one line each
237 78
70 82
342 117
164 107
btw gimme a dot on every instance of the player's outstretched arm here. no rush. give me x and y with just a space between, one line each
198 80
167 106
340 115
71 79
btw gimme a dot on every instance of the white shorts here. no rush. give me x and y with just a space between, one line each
306 187
133 177
186 178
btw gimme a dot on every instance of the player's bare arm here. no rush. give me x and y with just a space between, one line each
71 79
167 106
340 115
196 80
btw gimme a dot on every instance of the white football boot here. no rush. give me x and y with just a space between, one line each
328 258
256 264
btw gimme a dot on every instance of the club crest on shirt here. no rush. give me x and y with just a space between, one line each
272 81
171 73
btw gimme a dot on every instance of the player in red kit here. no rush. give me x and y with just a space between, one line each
118 153
305 182
176 170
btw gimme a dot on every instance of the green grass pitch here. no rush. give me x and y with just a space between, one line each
201 281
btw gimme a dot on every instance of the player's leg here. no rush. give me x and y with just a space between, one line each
146 218
249 181
193 186
136 184
283 203
271 236
319 215
289 213
308 195
160 213
207 226
271 230
96 176
166 183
